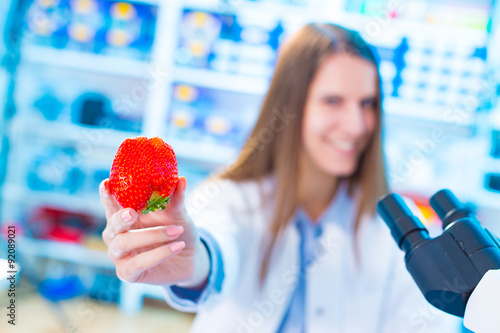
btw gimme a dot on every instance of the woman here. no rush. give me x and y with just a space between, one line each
286 239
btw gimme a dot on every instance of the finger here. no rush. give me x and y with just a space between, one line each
125 242
178 196
109 203
131 269
119 222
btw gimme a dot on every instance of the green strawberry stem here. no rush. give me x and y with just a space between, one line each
155 202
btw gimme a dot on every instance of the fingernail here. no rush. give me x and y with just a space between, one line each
174 230
177 246
102 187
126 216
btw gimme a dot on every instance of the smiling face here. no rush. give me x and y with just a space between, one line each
340 114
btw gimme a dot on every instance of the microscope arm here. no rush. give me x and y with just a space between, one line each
482 313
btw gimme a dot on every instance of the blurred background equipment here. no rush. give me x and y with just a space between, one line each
77 77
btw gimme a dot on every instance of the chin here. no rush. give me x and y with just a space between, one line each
340 171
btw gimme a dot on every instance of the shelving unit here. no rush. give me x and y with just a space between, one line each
73 253
60 72
221 81
84 204
84 68
64 131
75 60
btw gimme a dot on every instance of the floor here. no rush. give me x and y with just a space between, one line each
83 315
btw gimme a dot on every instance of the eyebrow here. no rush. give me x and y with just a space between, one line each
369 99
333 95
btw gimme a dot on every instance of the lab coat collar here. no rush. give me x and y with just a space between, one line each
340 210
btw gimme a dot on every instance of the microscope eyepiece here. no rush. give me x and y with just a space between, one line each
446 268
406 228
448 208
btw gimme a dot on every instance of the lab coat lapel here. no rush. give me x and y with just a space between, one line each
333 267
282 278
324 282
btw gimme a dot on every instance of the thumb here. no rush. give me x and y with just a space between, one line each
177 198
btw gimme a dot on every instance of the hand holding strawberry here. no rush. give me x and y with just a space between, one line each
162 246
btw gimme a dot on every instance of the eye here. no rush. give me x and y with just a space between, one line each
369 103
332 100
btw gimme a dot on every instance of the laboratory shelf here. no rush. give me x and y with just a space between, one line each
148 2
69 252
203 152
444 115
222 81
108 140
379 27
61 132
83 61
313 8
85 203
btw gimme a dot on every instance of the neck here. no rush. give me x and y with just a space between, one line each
316 189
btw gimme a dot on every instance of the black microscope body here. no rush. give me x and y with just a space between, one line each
446 268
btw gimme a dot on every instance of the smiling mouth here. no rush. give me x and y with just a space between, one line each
344 146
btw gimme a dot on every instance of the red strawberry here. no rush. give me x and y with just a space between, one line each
144 174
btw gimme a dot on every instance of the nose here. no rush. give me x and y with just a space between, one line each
354 122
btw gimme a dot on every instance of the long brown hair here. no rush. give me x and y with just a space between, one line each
272 148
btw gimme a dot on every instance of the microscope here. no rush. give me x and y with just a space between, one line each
459 271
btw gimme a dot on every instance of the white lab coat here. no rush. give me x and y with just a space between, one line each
377 295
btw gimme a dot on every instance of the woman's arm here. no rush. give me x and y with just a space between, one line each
187 297
211 207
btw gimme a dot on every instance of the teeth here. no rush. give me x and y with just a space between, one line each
342 145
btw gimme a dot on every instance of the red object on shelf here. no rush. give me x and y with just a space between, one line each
66 234
60 225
